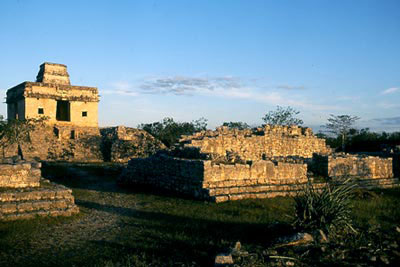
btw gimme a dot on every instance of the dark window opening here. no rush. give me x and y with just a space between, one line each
72 134
84 113
63 111
40 111
56 132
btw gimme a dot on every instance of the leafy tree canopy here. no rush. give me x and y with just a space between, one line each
282 116
236 125
169 131
340 125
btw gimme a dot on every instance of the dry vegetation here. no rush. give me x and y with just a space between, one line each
137 227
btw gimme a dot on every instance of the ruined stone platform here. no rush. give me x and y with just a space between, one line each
205 179
24 194
47 200
225 165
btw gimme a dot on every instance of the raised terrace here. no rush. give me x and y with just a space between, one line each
25 194
226 164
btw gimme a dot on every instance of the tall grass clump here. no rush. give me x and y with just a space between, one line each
327 208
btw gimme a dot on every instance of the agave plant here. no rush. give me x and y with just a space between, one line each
327 208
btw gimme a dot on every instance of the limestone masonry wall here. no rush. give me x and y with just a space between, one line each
219 182
20 175
65 143
228 164
263 143
339 165
123 143
86 144
24 194
53 73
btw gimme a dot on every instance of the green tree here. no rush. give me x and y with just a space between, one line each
169 131
282 116
17 132
340 125
236 125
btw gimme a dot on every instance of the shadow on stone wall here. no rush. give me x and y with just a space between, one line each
345 170
396 165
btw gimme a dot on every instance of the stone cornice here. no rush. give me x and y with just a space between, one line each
61 92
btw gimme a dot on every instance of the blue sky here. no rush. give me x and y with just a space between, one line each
222 60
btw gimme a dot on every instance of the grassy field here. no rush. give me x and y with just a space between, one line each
136 227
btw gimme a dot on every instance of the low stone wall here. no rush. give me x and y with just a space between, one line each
19 175
262 143
217 182
343 165
86 144
47 200
61 143
24 194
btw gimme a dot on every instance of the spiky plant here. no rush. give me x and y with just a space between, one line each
327 208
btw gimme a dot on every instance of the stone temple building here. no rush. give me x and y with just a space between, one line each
53 96
71 112
71 132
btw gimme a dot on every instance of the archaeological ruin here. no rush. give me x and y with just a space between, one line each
221 165
24 194
53 96
71 131
226 164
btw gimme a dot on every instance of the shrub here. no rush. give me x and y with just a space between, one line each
327 208
169 131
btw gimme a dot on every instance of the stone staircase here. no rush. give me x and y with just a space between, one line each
378 183
49 199
221 193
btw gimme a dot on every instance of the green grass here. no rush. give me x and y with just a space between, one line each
382 208
158 229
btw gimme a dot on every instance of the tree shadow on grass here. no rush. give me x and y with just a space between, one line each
99 178
184 238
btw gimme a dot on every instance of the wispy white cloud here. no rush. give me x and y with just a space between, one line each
390 91
290 87
388 121
348 98
119 92
120 88
221 86
388 105
183 85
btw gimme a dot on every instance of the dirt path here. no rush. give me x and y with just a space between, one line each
105 211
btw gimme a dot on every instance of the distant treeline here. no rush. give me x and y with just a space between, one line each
365 141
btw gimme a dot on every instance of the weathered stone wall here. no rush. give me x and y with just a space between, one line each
61 143
123 143
268 142
53 73
48 200
218 182
28 97
19 175
24 194
86 144
396 165
343 165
